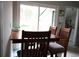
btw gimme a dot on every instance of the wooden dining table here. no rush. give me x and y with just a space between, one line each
16 37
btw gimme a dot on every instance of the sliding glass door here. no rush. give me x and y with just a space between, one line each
45 18
28 17
34 18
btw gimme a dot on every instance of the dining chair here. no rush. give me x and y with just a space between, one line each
61 45
34 44
53 29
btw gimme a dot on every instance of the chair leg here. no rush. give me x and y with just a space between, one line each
65 53
56 55
51 55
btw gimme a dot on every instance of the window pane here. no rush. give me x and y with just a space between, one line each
30 21
45 20
42 9
28 17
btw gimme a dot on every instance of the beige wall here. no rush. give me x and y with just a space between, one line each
6 25
0 28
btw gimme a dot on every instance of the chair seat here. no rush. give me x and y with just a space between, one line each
55 47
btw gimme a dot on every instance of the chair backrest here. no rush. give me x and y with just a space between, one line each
35 44
53 30
64 35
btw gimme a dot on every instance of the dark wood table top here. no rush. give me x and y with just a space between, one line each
16 37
